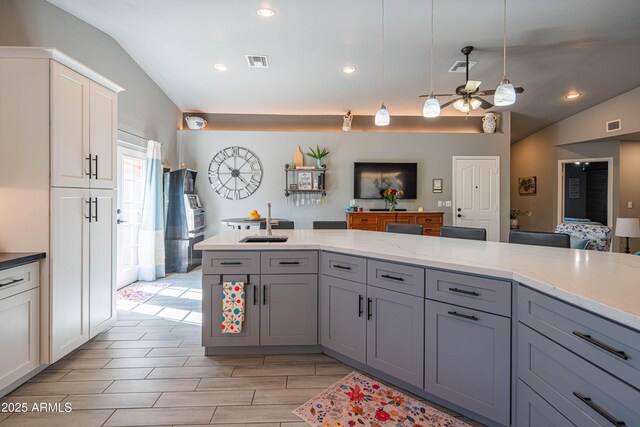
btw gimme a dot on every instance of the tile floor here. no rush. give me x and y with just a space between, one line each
149 369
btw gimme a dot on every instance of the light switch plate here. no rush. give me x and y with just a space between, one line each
439 203
448 203
630 205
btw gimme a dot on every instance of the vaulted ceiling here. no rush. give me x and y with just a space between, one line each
554 47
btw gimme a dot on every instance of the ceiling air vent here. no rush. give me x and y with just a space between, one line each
614 125
257 61
461 66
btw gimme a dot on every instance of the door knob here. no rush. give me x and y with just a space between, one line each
459 209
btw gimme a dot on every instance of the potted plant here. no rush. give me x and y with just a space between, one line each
514 214
318 154
391 196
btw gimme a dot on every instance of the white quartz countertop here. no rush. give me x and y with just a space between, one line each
605 283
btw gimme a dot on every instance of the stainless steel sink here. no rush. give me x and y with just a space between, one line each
264 239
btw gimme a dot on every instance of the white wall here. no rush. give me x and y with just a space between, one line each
432 152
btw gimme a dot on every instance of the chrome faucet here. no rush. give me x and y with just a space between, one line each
269 233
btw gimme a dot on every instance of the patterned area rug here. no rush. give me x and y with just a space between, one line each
141 292
357 400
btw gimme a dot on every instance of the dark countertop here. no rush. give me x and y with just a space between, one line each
12 259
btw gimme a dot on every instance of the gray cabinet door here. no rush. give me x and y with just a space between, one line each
343 324
395 334
534 411
467 359
289 313
212 335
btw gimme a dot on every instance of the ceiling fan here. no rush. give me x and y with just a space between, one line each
469 94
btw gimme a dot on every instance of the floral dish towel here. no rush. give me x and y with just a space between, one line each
232 307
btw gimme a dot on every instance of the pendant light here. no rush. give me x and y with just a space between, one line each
431 105
382 115
505 92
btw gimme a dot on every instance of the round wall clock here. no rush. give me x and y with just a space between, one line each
235 173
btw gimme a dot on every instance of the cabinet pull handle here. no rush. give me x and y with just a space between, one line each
342 267
369 302
464 316
264 294
12 282
255 295
289 262
95 174
360 299
231 263
95 215
599 409
386 276
364 220
462 291
88 202
588 338
88 173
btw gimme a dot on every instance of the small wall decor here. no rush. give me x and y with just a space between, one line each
305 181
196 123
318 154
298 157
346 122
237 182
489 123
574 188
293 186
437 185
527 185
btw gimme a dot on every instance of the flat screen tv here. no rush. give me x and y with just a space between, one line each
369 179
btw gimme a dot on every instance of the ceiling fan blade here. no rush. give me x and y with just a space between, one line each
519 89
472 86
437 95
484 103
446 104
493 91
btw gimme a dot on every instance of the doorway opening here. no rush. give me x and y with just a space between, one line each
585 191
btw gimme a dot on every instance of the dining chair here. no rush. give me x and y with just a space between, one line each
329 225
538 238
469 233
395 227
280 225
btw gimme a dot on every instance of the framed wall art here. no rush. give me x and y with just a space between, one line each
527 185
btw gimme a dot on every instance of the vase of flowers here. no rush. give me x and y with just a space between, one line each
514 214
391 196
318 154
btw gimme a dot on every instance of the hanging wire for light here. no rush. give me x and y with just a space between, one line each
505 92
431 106
382 115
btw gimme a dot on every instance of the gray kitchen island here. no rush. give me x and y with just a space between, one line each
510 335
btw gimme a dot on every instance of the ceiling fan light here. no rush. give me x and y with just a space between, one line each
458 104
382 116
505 94
465 108
431 107
475 103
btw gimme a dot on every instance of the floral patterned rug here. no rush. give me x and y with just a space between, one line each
357 400
140 292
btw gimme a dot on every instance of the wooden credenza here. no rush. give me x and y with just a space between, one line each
377 221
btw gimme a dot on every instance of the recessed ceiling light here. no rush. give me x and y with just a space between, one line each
220 67
577 163
573 95
266 13
349 69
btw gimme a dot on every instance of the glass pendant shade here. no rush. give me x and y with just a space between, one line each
382 116
505 94
465 107
458 104
431 107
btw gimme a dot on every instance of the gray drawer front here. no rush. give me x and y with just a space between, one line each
559 321
478 293
534 411
212 312
557 375
396 277
231 262
289 262
344 267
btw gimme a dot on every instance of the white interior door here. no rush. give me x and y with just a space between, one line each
131 177
476 198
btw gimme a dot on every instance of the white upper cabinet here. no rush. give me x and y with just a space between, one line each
84 120
70 150
103 122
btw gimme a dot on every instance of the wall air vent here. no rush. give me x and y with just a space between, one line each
614 125
257 61
461 66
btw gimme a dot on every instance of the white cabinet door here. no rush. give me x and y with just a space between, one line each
103 113
69 270
69 128
102 257
20 349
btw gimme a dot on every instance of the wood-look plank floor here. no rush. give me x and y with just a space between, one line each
149 369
